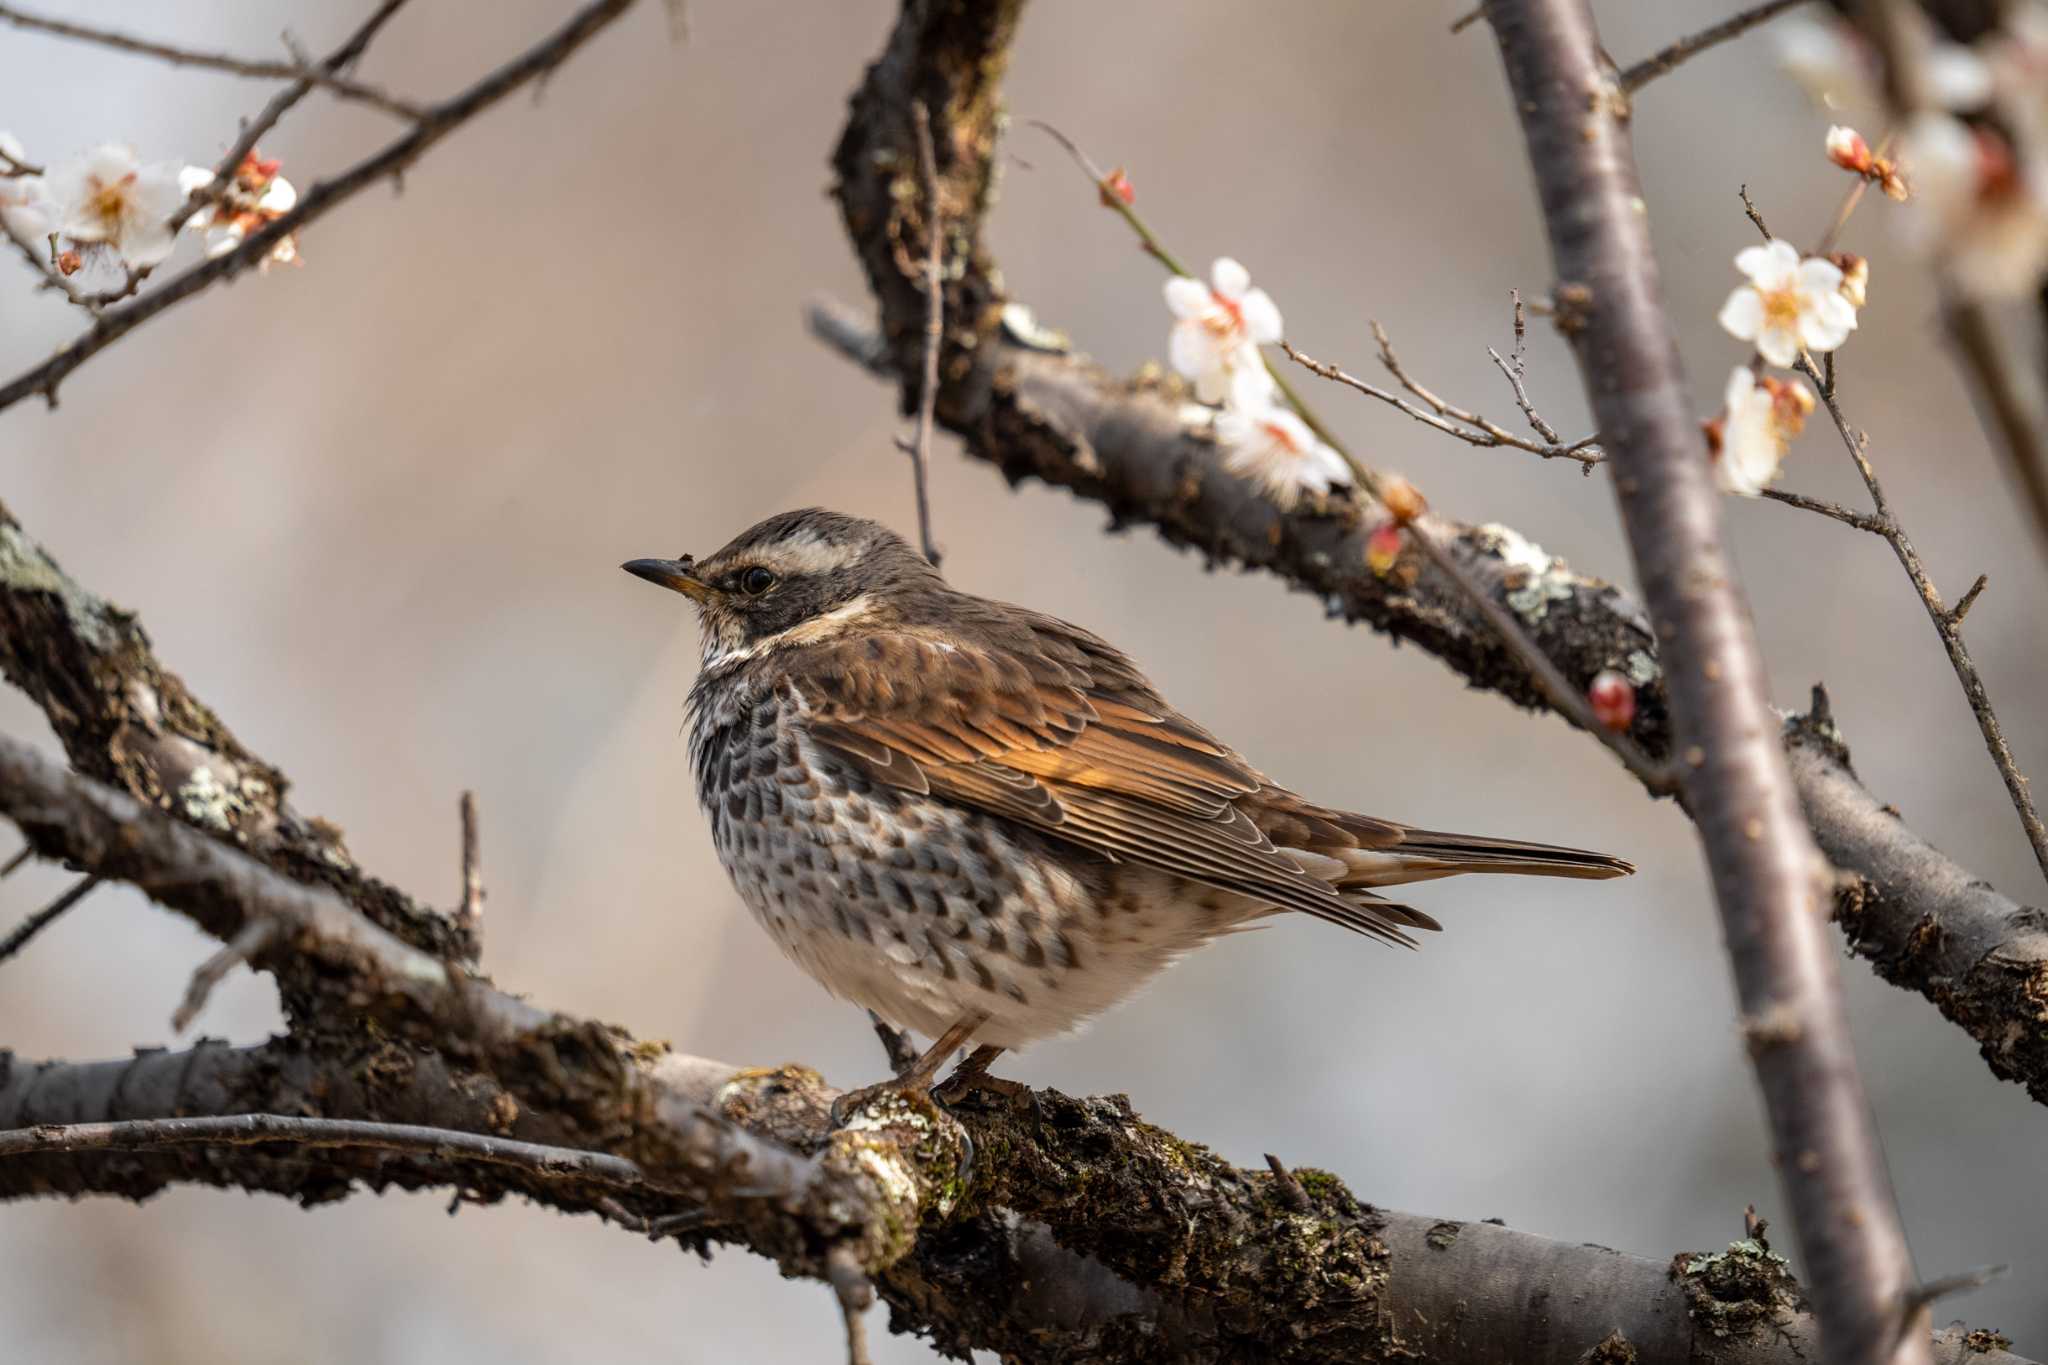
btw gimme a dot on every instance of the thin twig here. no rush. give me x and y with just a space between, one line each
1969 599
1487 434
1947 625
42 919
469 914
1690 46
1291 1193
391 160
1569 702
214 61
254 130
1468 18
13 865
1516 368
1862 521
253 939
242 1130
2009 406
855 1292
919 447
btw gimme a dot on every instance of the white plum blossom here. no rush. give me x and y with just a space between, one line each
1217 331
1978 208
106 197
24 206
1827 59
1752 435
257 196
1275 449
1788 303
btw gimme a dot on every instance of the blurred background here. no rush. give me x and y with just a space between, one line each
372 510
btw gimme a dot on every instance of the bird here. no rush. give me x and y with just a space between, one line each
983 823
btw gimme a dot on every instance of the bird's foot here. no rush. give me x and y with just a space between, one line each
972 1075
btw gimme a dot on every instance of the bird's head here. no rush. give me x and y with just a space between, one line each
796 578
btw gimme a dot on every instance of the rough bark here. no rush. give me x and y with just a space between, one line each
1021 399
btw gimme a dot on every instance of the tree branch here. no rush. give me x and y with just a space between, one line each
435 122
1767 877
1666 59
1021 400
214 61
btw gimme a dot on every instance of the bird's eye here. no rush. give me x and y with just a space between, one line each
755 581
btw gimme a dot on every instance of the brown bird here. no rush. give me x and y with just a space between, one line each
983 823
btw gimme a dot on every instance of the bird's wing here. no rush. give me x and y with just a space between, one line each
1043 723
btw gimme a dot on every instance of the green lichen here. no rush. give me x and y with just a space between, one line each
1643 668
1443 1236
1533 577
1733 1292
25 568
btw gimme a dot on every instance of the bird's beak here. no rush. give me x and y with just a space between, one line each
677 575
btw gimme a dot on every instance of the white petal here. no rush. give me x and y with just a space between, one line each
1292 429
1829 325
1779 345
147 243
1741 384
1769 265
1743 315
1212 386
1957 77
1230 278
1250 388
1189 350
1185 297
1261 316
1819 275
11 148
194 178
1330 465
280 197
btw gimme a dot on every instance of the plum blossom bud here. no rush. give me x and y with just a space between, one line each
1613 698
1117 186
1847 149
1383 548
1855 269
1403 499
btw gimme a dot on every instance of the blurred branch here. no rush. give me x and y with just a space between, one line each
255 129
1766 875
1665 59
214 61
434 123
2010 403
1022 401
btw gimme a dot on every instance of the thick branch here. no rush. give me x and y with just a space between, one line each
1740 794
1021 400
1232 1272
128 721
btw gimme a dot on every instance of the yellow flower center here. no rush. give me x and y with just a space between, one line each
1782 307
109 202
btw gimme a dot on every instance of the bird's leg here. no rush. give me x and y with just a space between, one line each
972 1075
917 1078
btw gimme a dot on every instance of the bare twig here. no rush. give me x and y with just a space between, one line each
919 447
435 123
42 919
2011 406
1487 433
1291 1192
1848 516
1468 18
13 865
1568 701
1768 877
255 936
254 130
1662 61
214 61
1969 599
243 1130
470 912
1515 367
1947 624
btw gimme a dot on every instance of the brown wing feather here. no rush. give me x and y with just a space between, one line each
1059 731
